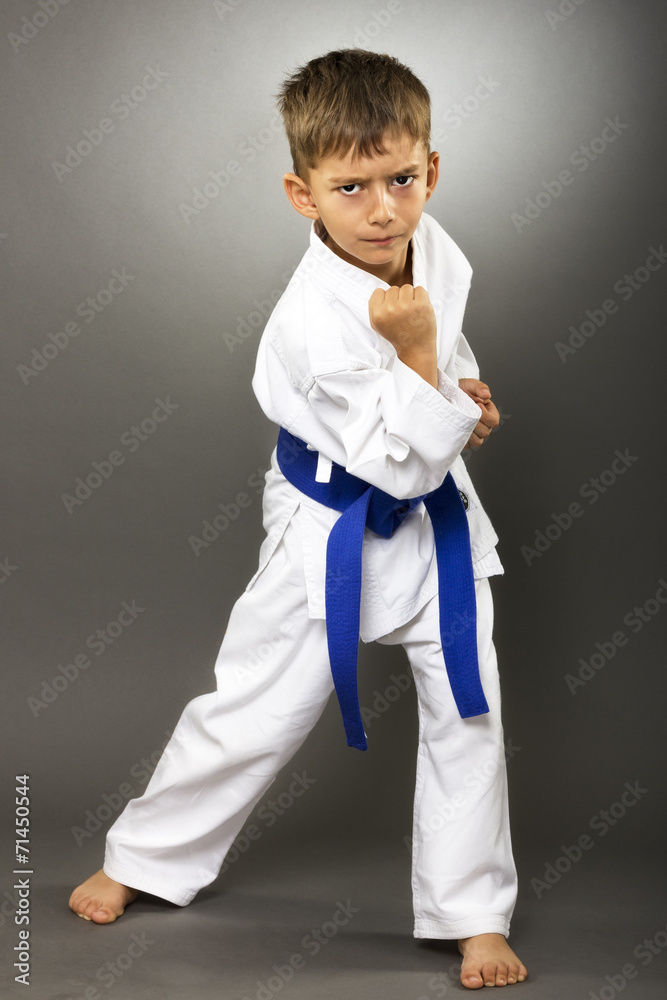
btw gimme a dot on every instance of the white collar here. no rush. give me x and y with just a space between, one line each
349 282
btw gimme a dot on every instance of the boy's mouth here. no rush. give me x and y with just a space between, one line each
385 241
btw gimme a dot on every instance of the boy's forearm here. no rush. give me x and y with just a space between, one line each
423 362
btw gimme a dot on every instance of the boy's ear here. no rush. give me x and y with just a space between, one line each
432 173
300 197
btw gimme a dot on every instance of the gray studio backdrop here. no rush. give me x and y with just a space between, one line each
145 237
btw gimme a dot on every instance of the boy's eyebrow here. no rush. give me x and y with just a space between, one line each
355 179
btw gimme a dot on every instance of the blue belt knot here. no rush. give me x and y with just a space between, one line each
365 506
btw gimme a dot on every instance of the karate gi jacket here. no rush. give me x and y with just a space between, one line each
325 375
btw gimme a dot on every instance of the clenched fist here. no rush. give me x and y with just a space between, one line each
480 393
405 317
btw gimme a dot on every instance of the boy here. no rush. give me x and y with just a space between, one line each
364 367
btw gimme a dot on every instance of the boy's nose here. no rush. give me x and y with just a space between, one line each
381 208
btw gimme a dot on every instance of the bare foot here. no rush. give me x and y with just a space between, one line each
100 899
488 960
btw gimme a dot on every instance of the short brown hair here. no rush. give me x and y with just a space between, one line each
351 99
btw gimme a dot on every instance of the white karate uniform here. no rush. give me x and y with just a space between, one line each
325 375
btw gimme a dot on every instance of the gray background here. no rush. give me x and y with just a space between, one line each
544 88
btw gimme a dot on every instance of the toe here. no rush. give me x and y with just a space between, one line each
471 974
512 972
501 974
91 909
79 906
75 902
489 974
104 915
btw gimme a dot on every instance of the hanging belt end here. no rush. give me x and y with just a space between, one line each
357 743
479 707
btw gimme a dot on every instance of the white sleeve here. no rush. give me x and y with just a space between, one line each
397 431
464 360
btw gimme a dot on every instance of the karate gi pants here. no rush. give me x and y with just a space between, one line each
229 745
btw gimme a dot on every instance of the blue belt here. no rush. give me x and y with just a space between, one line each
366 506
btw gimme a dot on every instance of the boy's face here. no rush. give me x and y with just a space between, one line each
370 206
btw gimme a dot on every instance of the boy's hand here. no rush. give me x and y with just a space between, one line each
405 317
480 393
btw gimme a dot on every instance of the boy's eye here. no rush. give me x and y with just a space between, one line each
403 180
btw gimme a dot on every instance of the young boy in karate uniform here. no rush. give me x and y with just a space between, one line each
364 367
